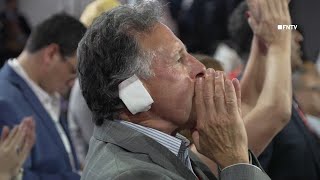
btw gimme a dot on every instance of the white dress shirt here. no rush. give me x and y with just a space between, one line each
314 124
51 103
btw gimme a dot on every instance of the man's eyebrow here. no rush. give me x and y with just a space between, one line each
183 48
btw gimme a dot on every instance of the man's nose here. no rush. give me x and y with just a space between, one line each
197 68
299 37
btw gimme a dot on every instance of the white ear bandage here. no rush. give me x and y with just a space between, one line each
134 95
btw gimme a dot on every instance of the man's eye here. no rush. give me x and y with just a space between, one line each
181 58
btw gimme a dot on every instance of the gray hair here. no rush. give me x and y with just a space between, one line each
110 53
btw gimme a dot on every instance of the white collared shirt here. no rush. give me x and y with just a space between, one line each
51 103
314 124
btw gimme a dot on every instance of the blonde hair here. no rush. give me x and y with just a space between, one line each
95 9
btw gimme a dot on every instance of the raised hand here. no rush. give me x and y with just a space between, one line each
265 16
15 146
220 133
266 81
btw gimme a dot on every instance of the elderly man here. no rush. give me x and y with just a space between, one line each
32 84
142 87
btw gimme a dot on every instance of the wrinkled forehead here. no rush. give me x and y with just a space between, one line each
161 41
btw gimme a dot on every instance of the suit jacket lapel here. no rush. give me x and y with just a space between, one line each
136 142
202 171
310 138
36 105
64 124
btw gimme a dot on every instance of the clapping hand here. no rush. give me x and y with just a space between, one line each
264 18
15 146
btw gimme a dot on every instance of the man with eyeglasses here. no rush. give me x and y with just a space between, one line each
32 84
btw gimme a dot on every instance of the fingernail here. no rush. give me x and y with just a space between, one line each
210 70
217 74
234 79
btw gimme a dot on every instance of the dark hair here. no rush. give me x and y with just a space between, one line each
240 32
8 1
110 53
61 29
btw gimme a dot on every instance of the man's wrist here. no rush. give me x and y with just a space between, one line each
247 160
240 159
241 164
281 44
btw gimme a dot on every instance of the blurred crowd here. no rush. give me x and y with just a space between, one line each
65 72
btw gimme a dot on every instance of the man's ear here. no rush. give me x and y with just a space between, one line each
134 95
50 54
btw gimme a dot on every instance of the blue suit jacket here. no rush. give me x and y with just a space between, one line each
48 159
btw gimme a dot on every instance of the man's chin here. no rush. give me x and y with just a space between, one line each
64 91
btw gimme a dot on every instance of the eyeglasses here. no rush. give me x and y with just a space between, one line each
67 60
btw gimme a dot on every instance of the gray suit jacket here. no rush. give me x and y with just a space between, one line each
118 152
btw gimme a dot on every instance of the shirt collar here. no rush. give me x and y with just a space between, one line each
178 145
43 96
174 144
